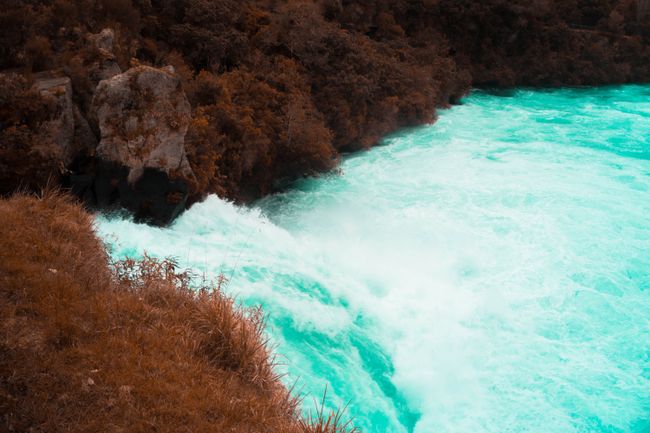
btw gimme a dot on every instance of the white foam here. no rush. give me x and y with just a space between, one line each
502 278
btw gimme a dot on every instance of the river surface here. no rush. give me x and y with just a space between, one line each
489 273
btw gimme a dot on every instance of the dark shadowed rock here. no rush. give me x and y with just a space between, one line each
85 140
143 116
57 133
66 134
154 197
42 131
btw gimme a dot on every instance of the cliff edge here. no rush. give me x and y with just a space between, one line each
88 345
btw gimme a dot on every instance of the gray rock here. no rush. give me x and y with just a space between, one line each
57 134
143 116
66 135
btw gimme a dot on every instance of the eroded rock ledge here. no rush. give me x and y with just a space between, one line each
143 116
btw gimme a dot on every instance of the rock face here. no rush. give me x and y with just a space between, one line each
143 116
66 135
42 132
57 133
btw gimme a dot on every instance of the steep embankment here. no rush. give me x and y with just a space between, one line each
88 346
277 89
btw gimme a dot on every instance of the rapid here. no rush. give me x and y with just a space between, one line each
487 273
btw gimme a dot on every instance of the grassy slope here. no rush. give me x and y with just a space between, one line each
90 346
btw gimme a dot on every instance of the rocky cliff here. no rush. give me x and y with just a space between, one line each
143 116
263 92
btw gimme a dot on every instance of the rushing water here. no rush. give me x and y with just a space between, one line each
489 273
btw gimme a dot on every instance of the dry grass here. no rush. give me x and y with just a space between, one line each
320 422
86 345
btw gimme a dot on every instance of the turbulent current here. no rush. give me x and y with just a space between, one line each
487 273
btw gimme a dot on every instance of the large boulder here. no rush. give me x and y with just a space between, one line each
143 116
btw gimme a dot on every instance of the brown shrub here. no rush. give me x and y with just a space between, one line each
128 347
251 130
23 162
279 89
39 53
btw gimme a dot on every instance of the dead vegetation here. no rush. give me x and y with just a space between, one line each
86 345
280 89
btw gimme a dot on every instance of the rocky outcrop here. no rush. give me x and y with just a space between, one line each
143 116
57 133
66 134
139 163
42 131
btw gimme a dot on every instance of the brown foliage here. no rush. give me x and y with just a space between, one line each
250 130
128 347
278 89
540 43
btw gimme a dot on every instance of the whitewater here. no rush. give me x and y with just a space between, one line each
486 273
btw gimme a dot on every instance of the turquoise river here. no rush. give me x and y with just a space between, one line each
489 273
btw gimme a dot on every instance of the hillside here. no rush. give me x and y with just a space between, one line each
269 91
